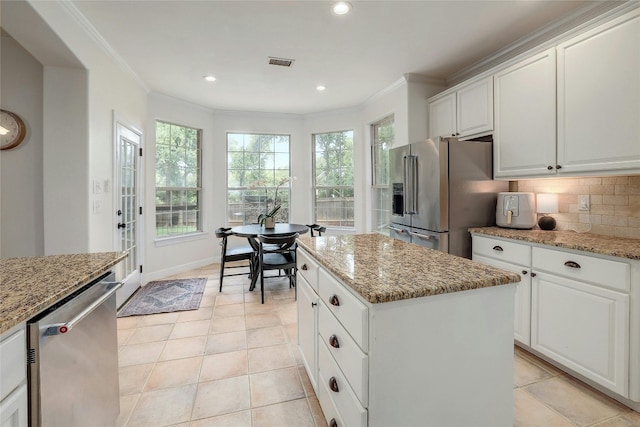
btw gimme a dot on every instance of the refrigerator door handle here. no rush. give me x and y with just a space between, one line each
411 173
397 230
422 236
405 188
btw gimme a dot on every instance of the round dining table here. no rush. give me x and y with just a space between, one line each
251 231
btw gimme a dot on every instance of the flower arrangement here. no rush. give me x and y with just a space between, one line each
268 218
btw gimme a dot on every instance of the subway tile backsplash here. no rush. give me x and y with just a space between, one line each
615 203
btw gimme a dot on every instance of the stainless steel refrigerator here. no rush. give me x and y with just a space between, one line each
439 190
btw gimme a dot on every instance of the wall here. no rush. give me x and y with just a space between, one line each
21 168
615 203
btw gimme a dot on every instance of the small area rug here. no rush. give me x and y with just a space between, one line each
165 296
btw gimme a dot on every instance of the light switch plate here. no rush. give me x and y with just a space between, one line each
97 186
583 202
97 206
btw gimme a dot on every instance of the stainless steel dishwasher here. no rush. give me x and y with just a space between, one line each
73 359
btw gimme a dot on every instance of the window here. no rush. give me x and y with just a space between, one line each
257 176
382 136
333 179
178 178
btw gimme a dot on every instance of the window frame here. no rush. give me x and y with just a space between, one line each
247 187
314 186
163 239
376 186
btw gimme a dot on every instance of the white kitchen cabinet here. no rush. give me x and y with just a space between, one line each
524 138
464 111
515 257
407 361
308 314
13 378
599 98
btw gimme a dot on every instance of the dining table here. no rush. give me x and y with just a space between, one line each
252 231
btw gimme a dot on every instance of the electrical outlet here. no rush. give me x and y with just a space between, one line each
97 207
583 202
97 187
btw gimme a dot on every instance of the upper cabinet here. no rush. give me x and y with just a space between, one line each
464 112
525 117
599 98
596 128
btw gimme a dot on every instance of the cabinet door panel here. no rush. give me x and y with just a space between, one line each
475 108
525 121
583 327
13 409
442 117
307 328
599 98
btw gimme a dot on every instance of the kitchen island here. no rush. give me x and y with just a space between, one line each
392 333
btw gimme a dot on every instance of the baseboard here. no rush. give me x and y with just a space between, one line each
161 274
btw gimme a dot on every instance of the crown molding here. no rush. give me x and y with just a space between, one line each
93 33
421 78
547 36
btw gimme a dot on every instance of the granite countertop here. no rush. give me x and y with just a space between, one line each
382 269
31 284
594 243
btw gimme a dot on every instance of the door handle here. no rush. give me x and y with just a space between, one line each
121 225
63 328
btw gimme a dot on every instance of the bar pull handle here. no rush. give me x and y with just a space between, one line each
63 328
396 229
405 186
498 248
572 264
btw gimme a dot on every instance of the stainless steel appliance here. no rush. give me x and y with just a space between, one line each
440 189
73 359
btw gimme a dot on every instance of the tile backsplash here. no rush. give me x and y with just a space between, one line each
615 203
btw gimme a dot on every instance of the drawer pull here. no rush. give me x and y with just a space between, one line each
572 264
333 384
498 248
333 341
333 299
333 423
524 272
304 267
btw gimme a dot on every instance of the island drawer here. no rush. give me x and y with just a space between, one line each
349 311
13 363
308 268
331 379
602 272
352 361
512 252
329 409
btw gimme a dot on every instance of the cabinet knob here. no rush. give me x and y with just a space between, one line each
313 304
121 225
457 133
304 267
453 134
333 299
498 248
333 423
333 384
333 341
550 167
572 264
533 274
524 272
558 166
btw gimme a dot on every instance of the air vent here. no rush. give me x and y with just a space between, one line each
282 62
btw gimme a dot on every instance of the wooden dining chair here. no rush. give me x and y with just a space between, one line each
243 253
317 228
277 253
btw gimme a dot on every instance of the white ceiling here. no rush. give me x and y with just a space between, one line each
171 45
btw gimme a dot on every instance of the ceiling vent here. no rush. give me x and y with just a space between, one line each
282 62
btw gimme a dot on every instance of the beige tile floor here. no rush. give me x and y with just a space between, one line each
234 362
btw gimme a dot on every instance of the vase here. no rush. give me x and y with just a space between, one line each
269 222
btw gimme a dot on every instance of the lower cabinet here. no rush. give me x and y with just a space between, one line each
308 328
13 378
580 310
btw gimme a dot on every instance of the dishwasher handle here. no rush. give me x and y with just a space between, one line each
63 328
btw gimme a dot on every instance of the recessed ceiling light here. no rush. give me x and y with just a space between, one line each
320 88
341 8
209 78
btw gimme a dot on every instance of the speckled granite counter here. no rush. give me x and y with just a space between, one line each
30 285
595 243
382 269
